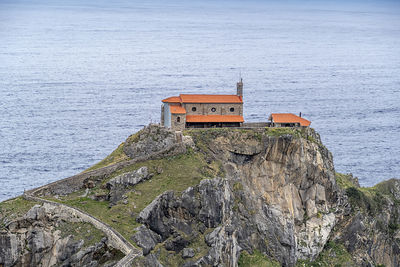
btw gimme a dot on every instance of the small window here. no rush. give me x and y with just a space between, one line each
194 108
213 109
232 109
178 119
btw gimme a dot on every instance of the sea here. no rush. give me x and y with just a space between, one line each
78 77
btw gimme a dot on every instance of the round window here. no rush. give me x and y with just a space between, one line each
232 109
194 108
213 109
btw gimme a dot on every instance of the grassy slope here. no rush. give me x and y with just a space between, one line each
116 156
333 255
187 170
13 208
81 231
179 173
256 259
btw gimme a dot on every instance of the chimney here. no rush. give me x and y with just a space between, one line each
239 88
300 114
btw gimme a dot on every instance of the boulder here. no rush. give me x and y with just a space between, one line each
188 253
146 239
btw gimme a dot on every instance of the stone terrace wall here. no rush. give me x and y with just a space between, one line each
256 124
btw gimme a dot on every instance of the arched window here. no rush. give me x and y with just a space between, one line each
194 108
232 109
178 119
213 109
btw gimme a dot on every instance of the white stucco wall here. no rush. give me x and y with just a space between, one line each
167 116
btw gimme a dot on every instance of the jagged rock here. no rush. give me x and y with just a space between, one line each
38 244
176 244
146 239
10 249
188 253
130 178
276 195
152 261
154 141
36 213
275 192
118 185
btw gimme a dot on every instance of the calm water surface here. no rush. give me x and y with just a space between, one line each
77 78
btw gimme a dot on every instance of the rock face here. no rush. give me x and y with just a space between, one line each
276 194
371 233
35 240
119 185
278 197
154 141
129 178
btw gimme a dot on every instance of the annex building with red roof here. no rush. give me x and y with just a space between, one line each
288 120
203 111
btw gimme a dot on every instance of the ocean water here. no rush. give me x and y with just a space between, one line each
78 77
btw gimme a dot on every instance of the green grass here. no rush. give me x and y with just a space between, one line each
81 231
344 181
120 217
279 131
371 201
116 156
203 138
179 173
133 138
257 259
14 208
333 255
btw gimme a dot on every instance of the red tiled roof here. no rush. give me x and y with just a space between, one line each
211 99
172 99
289 118
204 99
177 110
214 118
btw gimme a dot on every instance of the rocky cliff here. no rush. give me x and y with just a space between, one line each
224 197
44 236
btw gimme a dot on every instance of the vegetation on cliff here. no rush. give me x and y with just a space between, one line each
174 173
247 197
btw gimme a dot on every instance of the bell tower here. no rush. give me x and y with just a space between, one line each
239 88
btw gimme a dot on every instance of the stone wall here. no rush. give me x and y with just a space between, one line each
221 109
178 125
256 124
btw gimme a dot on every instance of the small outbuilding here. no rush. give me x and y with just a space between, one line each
288 120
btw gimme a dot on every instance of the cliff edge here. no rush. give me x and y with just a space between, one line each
229 197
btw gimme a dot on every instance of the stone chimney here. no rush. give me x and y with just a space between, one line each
239 88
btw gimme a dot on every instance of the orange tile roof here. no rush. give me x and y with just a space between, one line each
172 99
177 110
214 118
211 99
204 99
289 118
